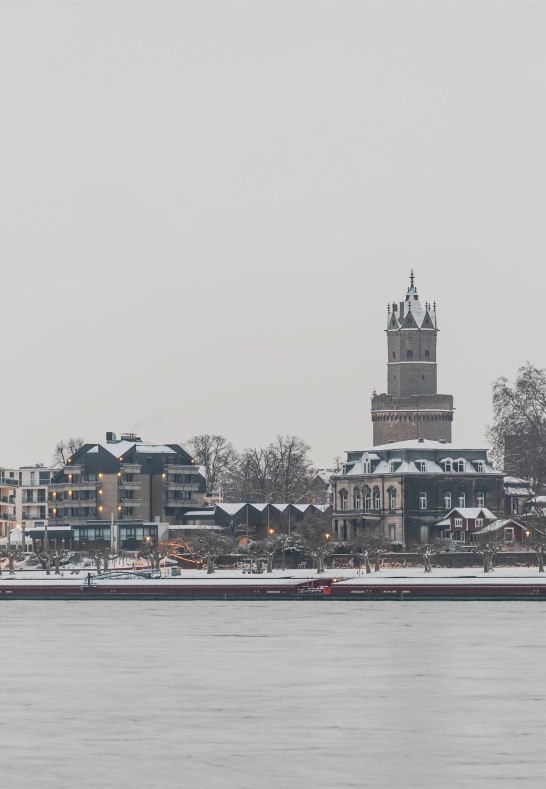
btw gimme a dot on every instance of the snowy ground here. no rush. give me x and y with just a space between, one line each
214 695
407 575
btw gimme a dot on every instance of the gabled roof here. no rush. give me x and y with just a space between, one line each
498 524
467 513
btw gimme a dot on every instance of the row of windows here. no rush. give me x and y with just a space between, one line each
409 355
448 500
448 465
365 501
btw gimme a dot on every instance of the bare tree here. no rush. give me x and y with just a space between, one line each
425 553
209 546
281 472
12 553
314 532
518 432
488 549
376 544
65 449
101 555
154 553
217 455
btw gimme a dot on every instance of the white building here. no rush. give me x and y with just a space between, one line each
9 482
31 505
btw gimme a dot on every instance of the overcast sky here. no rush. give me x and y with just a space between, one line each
207 206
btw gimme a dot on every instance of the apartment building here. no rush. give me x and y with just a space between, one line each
126 478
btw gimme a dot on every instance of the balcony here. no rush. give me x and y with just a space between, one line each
130 485
189 486
130 502
130 468
189 469
84 485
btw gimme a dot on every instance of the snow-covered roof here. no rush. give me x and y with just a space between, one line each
231 509
422 443
121 447
467 513
497 524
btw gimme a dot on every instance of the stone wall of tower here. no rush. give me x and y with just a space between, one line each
401 419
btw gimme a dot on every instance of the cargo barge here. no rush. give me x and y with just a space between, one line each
282 589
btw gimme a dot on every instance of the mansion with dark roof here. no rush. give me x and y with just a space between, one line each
407 487
414 476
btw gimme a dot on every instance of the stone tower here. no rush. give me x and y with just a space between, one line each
412 407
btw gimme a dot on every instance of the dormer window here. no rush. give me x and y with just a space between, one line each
459 466
392 466
421 465
480 467
448 465
367 466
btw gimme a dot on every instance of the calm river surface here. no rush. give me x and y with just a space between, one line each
278 694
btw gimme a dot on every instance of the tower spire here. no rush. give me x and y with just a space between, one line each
412 279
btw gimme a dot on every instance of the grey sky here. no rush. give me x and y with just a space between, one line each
207 206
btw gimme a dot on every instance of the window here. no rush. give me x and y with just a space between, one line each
376 499
392 531
422 501
481 499
448 465
515 507
509 534
479 523
392 466
427 354
479 467
462 500
392 500
343 500
367 466
367 500
458 523
421 465
447 500
357 499
409 354
394 354
459 466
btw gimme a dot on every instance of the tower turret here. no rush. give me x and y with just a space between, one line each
412 407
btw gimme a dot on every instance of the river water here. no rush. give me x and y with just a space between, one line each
275 694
